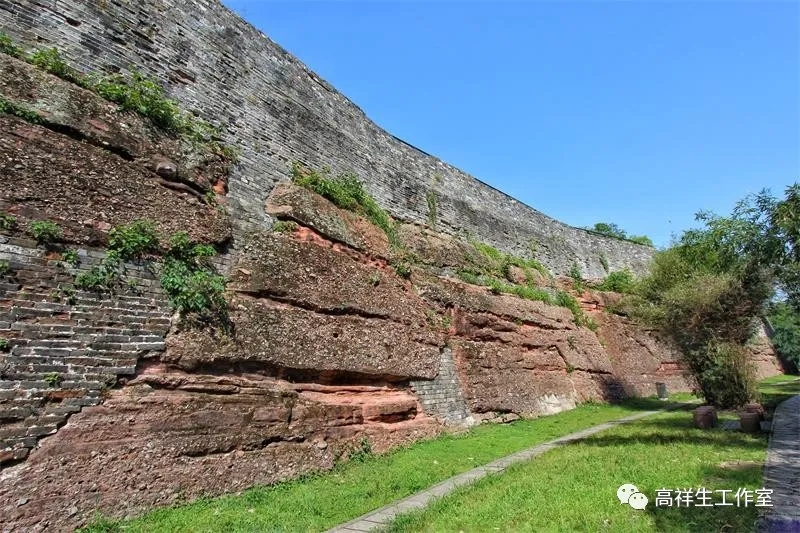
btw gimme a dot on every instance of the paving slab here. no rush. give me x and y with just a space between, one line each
782 471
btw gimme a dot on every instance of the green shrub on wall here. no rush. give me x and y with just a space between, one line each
132 92
189 280
44 231
346 192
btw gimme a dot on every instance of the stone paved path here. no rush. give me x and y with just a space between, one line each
782 470
384 515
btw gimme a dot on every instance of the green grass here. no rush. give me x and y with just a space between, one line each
537 496
321 501
573 488
346 192
776 389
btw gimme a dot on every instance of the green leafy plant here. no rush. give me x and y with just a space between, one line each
402 267
498 264
191 283
577 278
346 192
469 276
362 452
103 277
5 267
53 379
284 226
44 231
571 342
69 295
621 281
564 299
604 262
8 47
4 345
375 279
145 96
50 60
134 240
12 108
7 222
70 257
433 207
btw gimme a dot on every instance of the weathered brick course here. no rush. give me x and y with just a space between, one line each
62 355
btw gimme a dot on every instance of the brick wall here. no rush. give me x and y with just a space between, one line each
64 349
441 396
278 111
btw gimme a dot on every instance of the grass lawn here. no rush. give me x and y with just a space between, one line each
663 451
318 502
776 389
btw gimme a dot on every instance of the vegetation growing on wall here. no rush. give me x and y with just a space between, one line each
498 264
609 229
44 231
12 108
622 281
495 272
578 283
433 208
190 282
708 290
346 192
133 92
7 222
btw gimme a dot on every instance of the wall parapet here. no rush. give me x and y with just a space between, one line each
278 111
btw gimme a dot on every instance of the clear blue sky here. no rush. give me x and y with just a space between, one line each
639 113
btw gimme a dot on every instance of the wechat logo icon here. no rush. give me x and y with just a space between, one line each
629 494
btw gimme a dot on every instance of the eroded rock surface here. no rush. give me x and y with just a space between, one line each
329 346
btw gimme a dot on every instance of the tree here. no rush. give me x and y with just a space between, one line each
610 229
708 289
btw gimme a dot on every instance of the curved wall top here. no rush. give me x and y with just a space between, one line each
278 111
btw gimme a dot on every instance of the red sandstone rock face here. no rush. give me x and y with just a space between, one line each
640 358
328 345
91 166
763 355
170 436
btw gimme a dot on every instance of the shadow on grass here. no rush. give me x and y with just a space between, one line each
678 430
644 404
774 393
717 518
655 439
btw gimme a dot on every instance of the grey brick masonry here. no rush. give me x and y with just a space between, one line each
441 397
278 111
65 347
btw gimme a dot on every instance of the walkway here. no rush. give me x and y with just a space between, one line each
782 470
386 514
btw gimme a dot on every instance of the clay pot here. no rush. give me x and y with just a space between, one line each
750 422
705 417
754 408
